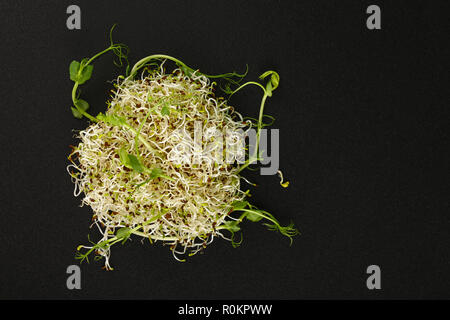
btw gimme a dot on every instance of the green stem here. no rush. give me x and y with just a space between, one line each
138 233
261 215
141 63
254 157
141 139
246 84
99 245
76 85
99 54
260 119
74 100
115 239
145 60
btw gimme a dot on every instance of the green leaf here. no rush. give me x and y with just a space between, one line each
123 233
273 83
112 119
135 163
123 155
232 226
102 117
274 78
165 111
79 72
82 104
86 74
73 70
76 113
130 161
253 217
238 205
156 172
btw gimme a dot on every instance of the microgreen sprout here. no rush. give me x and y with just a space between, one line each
127 164
80 72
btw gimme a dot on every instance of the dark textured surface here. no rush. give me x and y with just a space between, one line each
363 130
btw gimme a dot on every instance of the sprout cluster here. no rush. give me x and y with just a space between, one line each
164 161
185 193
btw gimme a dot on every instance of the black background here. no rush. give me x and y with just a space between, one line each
363 130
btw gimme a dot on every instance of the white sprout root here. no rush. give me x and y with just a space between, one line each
184 211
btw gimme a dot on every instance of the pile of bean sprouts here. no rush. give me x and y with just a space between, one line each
185 210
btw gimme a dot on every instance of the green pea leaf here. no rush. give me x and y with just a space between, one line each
135 163
238 205
112 119
76 113
274 81
86 73
79 72
165 111
82 104
123 233
232 226
253 217
156 172
274 78
123 155
73 70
